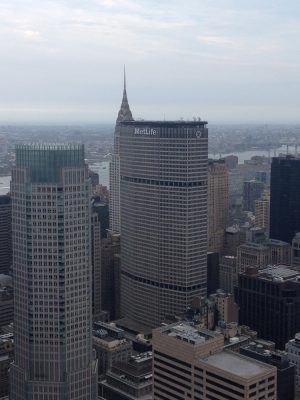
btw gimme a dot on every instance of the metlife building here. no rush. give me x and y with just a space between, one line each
163 197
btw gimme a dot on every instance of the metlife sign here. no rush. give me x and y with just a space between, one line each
145 132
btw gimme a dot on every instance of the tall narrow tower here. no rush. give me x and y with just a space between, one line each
52 275
114 167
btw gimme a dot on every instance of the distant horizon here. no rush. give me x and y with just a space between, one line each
112 123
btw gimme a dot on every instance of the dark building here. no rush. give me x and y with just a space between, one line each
213 273
163 205
269 301
252 190
285 198
5 234
279 359
110 279
102 210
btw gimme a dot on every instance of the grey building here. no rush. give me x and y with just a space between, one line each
252 190
163 193
5 234
52 271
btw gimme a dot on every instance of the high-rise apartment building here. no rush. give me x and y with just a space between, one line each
217 204
262 212
163 187
114 166
52 272
190 363
252 191
5 234
285 198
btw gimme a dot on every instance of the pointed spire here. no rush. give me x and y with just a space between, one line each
124 113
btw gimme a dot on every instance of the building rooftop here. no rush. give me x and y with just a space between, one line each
236 364
280 273
188 333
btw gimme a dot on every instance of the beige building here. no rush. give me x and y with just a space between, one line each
191 364
217 204
226 307
262 211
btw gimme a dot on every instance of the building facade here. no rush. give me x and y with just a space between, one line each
285 198
5 234
52 275
217 204
163 175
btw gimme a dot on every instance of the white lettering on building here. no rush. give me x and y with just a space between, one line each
145 131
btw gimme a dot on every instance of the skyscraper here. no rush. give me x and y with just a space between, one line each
285 198
52 275
163 188
114 166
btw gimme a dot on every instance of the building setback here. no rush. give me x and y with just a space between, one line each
52 273
163 192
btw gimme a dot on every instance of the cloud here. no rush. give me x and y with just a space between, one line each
219 41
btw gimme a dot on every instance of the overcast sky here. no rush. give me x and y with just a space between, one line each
222 60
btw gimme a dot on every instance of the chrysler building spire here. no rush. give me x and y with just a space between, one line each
124 113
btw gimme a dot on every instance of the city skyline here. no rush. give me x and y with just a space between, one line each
229 61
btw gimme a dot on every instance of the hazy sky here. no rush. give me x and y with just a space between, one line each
223 60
